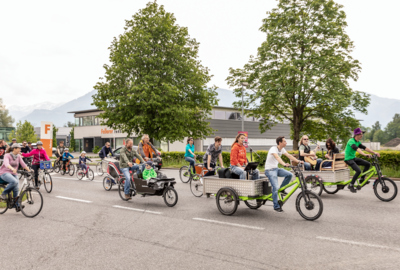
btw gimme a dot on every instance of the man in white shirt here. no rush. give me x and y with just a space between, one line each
272 171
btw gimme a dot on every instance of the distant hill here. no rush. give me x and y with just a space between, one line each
380 109
60 116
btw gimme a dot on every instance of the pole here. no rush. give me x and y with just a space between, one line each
242 111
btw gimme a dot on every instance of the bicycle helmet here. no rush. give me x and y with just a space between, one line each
39 143
15 145
66 149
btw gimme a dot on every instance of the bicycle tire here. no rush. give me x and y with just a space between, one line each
4 204
28 198
121 191
79 174
334 189
182 170
57 166
226 192
378 186
71 170
253 204
309 195
107 183
314 184
99 168
170 194
90 174
196 187
47 182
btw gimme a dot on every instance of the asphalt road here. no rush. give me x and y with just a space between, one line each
82 226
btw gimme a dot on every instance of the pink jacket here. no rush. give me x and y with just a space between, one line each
38 155
8 160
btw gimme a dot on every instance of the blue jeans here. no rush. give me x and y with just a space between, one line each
272 175
327 164
242 173
192 161
307 166
125 171
12 183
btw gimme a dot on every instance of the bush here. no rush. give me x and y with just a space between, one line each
96 149
179 157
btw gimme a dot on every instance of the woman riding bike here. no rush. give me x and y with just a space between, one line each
190 156
39 154
354 145
239 158
8 171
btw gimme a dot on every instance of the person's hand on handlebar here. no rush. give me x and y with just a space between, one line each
210 169
378 155
130 164
368 156
14 170
287 165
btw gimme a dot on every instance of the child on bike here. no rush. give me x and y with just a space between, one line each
82 161
149 171
65 158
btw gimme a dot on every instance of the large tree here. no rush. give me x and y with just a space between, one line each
5 119
24 132
155 83
393 128
301 72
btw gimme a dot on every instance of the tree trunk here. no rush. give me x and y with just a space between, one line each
296 131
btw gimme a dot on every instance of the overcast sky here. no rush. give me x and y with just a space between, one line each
54 50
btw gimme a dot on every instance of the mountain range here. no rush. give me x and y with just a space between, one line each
380 109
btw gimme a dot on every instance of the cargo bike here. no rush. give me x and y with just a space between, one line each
337 177
255 193
160 186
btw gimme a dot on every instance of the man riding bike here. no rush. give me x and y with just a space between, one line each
8 172
213 152
354 145
126 156
105 151
39 154
146 149
60 150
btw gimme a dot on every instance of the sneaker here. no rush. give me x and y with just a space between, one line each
352 189
128 197
279 210
284 193
3 197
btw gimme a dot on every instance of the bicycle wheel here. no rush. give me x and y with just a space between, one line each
99 168
71 169
184 174
310 206
196 186
331 189
90 174
79 174
31 202
48 182
227 201
107 183
57 166
121 190
385 189
314 184
253 204
3 204
170 196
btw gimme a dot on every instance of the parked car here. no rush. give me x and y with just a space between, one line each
117 154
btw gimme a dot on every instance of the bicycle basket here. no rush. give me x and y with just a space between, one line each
45 165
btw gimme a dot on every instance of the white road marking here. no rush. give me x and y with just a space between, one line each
136 209
356 243
230 224
73 199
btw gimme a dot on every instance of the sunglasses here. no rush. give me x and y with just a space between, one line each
305 139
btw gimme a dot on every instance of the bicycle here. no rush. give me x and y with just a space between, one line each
69 168
57 165
80 173
385 189
44 174
184 173
30 200
99 168
306 201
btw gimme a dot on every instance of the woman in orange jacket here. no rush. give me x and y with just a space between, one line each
239 158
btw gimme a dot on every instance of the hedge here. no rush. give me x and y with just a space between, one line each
389 159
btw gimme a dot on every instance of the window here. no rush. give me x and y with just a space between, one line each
219 115
233 116
87 121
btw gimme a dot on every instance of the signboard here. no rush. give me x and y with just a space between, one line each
246 141
46 136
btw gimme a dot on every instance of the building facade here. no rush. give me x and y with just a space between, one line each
226 122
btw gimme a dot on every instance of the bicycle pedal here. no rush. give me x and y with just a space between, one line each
358 187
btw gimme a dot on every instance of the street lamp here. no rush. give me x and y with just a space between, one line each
244 84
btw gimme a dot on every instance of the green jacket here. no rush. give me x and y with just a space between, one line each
147 174
127 156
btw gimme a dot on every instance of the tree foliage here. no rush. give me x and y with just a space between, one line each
69 124
24 132
301 72
5 119
393 127
55 136
72 142
155 84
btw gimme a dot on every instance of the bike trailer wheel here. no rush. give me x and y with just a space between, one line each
314 184
227 201
170 196
107 183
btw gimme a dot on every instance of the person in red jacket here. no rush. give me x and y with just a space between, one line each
39 154
239 158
